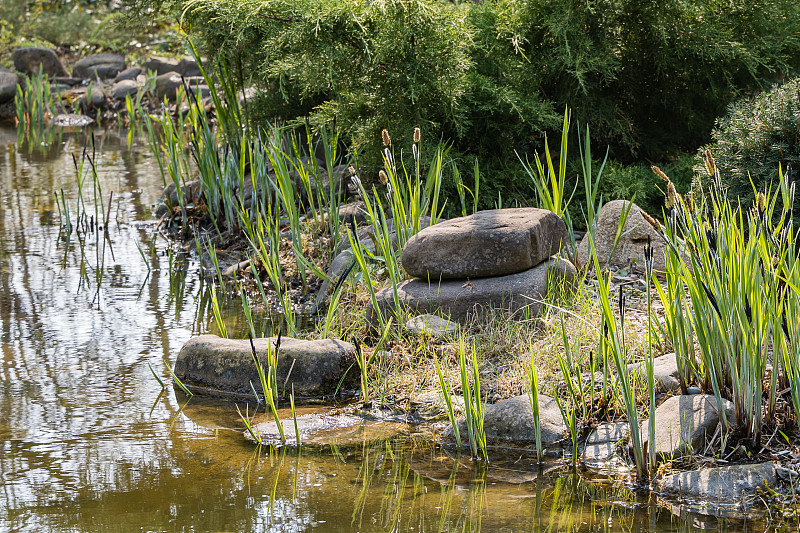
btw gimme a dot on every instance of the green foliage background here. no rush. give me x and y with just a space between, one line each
649 76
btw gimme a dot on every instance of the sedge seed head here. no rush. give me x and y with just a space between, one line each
709 163
761 202
672 196
653 222
383 177
417 135
387 141
660 173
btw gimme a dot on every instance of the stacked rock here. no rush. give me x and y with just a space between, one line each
492 259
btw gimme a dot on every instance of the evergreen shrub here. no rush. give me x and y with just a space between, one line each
650 77
756 137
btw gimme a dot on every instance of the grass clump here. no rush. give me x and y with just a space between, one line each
738 263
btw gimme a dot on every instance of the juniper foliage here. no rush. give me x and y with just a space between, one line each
649 76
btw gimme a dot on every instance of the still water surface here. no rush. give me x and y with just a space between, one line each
89 442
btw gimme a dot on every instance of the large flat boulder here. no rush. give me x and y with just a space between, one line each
32 60
726 484
685 423
103 66
629 250
218 366
458 299
488 243
510 422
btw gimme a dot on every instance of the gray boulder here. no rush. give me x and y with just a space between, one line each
8 85
185 66
355 211
32 60
188 67
488 243
726 484
103 66
336 270
684 424
161 65
129 74
510 422
92 100
122 89
629 251
457 299
218 366
665 373
167 85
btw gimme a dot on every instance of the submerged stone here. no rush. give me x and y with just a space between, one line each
216 366
488 243
510 422
457 299
327 430
724 484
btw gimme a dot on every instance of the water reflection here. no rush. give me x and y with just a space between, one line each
89 441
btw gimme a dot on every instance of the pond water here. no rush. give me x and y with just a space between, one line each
90 442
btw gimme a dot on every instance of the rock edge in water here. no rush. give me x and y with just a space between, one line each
219 367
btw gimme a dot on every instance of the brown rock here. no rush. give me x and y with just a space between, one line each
31 60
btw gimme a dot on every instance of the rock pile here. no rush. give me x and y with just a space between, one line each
493 259
100 82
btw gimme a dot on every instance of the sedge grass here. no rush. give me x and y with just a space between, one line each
533 397
473 401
